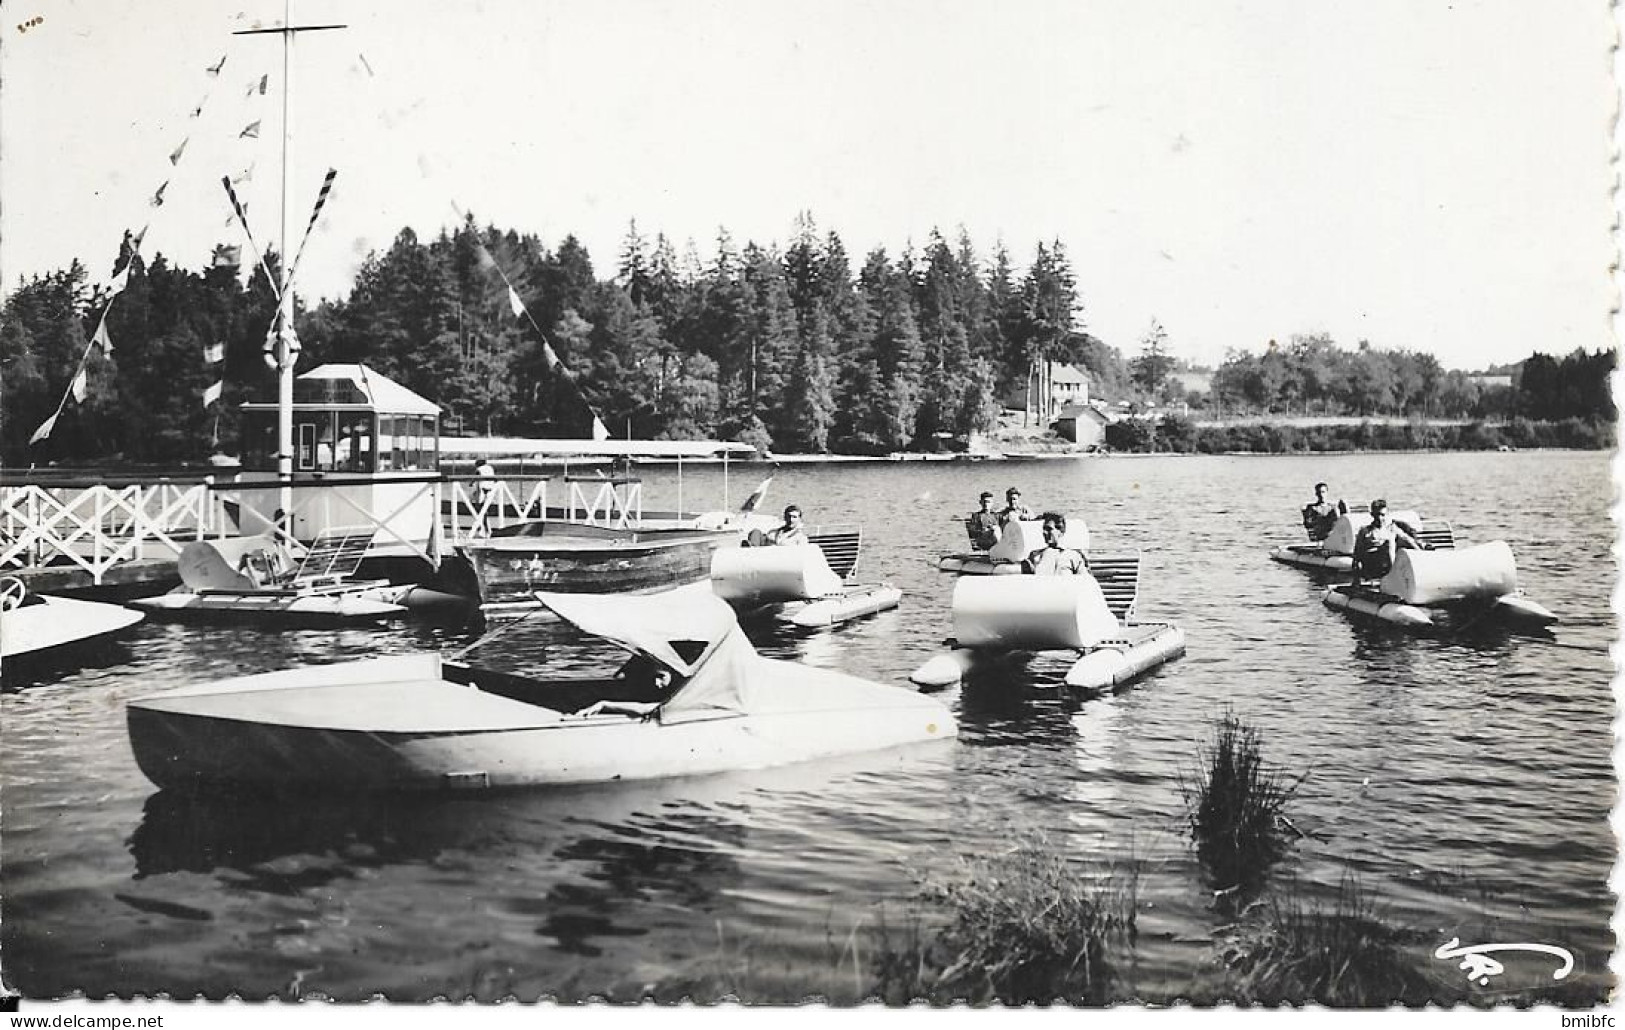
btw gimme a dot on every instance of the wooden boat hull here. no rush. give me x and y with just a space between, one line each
399 724
511 568
55 626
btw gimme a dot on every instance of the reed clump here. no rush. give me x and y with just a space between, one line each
1286 951
1022 927
1236 808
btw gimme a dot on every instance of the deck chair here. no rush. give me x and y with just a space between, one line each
1119 579
333 558
840 545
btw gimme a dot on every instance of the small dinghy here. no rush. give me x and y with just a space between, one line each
1336 552
1445 588
1016 541
798 585
1090 617
695 699
255 579
41 627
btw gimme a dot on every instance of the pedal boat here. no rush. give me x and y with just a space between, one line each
1016 541
1336 552
43 627
1445 589
256 579
418 722
1089 619
799 585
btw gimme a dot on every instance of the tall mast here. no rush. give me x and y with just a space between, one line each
286 355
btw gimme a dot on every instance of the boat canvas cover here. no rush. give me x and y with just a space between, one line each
664 628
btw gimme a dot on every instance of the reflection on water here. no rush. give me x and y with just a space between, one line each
1465 779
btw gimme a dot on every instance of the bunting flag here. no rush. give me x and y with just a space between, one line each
258 86
214 353
135 241
251 130
116 285
756 496
226 256
158 198
81 386
216 69
211 393
45 428
246 175
101 339
483 255
196 111
175 157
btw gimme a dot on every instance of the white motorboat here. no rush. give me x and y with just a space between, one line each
420 722
36 627
1089 618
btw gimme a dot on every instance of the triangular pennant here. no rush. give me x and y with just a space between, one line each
211 393
158 198
45 428
101 339
80 387
216 69
214 353
115 286
550 355
175 158
264 81
250 131
515 303
599 431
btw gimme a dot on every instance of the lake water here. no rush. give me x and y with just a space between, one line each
1465 783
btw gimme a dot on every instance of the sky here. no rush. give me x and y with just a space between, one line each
1420 174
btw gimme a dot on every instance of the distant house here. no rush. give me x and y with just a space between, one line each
1067 385
1082 424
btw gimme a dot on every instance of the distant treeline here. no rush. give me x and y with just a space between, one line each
791 349
1177 434
1312 375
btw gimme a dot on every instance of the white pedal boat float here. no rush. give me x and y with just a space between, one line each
1336 552
256 579
43 627
1427 589
418 722
1016 541
795 585
1090 617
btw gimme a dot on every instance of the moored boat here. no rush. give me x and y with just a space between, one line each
1452 587
44 627
256 579
1091 618
419 722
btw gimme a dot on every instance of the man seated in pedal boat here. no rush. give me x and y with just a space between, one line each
1378 541
1052 559
983 524
1320 515
1013 508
